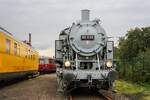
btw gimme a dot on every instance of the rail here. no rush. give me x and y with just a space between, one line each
102 96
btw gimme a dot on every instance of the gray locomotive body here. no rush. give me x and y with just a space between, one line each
85 56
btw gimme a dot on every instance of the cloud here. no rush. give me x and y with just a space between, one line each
46 52
46 18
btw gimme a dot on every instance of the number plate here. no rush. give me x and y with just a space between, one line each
87 37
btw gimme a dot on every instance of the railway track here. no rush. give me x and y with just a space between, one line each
97 96
71 97
108 95
89 95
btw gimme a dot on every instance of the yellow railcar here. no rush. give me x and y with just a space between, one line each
16 58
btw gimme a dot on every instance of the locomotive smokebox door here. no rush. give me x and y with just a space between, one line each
110 51
58 48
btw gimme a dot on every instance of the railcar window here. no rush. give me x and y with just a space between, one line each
15 48
30 53
46 61
41 61
26 53
19 50
33 57
7 46
51 61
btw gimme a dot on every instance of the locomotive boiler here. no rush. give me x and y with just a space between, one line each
85 56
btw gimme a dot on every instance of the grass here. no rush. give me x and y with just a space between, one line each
130 88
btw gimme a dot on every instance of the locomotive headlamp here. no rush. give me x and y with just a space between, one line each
109 63
67 63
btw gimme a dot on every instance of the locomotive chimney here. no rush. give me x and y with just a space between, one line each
29 38
85 15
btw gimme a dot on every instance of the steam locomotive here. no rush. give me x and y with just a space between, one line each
85 56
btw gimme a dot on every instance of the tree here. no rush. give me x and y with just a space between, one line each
136 40
134 53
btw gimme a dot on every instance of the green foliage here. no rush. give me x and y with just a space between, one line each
122 86
134 42
132 89
143 66
133 53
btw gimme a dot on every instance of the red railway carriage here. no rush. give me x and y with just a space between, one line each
46 64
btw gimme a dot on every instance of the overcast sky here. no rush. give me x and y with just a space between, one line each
46 18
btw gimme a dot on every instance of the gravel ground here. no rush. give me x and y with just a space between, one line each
41 88
44 87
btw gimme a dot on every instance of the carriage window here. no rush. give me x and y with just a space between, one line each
28 54
19 50
50 61
15 48
41 61
7 46
33 57
46 61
